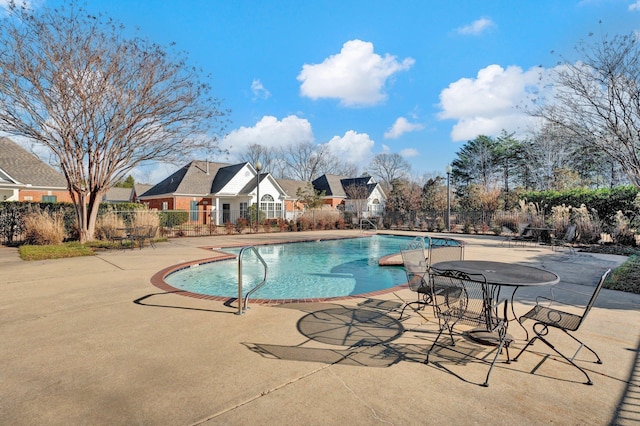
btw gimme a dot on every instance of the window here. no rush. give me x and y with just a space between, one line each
49 198
193 207
270 207
244 211
165 205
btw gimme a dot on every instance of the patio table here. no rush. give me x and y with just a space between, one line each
501 274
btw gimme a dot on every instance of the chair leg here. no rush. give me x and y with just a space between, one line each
599 361
495 358
546 342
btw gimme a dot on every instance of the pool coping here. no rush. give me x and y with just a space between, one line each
158 279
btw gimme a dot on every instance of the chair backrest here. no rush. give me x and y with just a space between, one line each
415 266
592 300
464 298
443 253
570 234
523 229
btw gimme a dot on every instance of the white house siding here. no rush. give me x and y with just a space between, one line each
239 181
267 187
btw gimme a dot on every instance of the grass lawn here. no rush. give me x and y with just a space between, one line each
70 249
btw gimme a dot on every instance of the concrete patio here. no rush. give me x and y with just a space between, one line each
90 341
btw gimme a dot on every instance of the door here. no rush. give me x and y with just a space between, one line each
226 213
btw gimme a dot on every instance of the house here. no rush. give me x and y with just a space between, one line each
292 206
24 177
363 195
125 195
217 193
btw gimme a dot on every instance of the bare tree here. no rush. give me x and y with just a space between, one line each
357 198
305 161
266 155
101 102
389 167
597 99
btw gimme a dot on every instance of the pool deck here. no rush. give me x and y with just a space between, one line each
91 341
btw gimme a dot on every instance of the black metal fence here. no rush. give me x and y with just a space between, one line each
183 223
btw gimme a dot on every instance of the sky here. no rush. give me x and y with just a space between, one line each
413 77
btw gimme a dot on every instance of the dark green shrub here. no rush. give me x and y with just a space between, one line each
172 218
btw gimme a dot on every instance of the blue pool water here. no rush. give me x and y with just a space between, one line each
319 269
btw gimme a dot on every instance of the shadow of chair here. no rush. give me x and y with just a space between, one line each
547 317
459 298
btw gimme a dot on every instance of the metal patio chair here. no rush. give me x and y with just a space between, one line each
417 269
547 317
459 298
567 239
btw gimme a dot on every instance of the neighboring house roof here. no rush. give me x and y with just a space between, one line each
335 186
195 178
201 178
290 186
118 195
18 167
141 188
331 185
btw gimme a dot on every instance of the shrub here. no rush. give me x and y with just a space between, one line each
110 220
169 219
241 223
588 225
621 232
43 228
229 228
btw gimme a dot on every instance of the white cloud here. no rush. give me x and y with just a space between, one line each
409 153
258 90
489 103
269 131
635 6
400 127
476 27
353 147
356 76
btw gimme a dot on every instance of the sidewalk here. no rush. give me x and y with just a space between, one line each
90 341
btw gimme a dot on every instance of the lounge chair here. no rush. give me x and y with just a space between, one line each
547 317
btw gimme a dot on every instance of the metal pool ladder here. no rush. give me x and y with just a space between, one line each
244 306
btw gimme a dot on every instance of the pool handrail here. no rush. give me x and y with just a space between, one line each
242 307
371 223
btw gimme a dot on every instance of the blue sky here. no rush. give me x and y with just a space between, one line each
415 77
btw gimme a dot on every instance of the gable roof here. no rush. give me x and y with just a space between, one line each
20 167
118 195
141 188
331 185
195 178
290 186
334 185
223 176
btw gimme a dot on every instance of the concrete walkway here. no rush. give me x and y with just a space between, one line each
90 341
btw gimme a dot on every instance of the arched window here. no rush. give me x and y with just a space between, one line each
271 208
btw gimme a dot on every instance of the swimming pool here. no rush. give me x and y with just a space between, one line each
304 270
